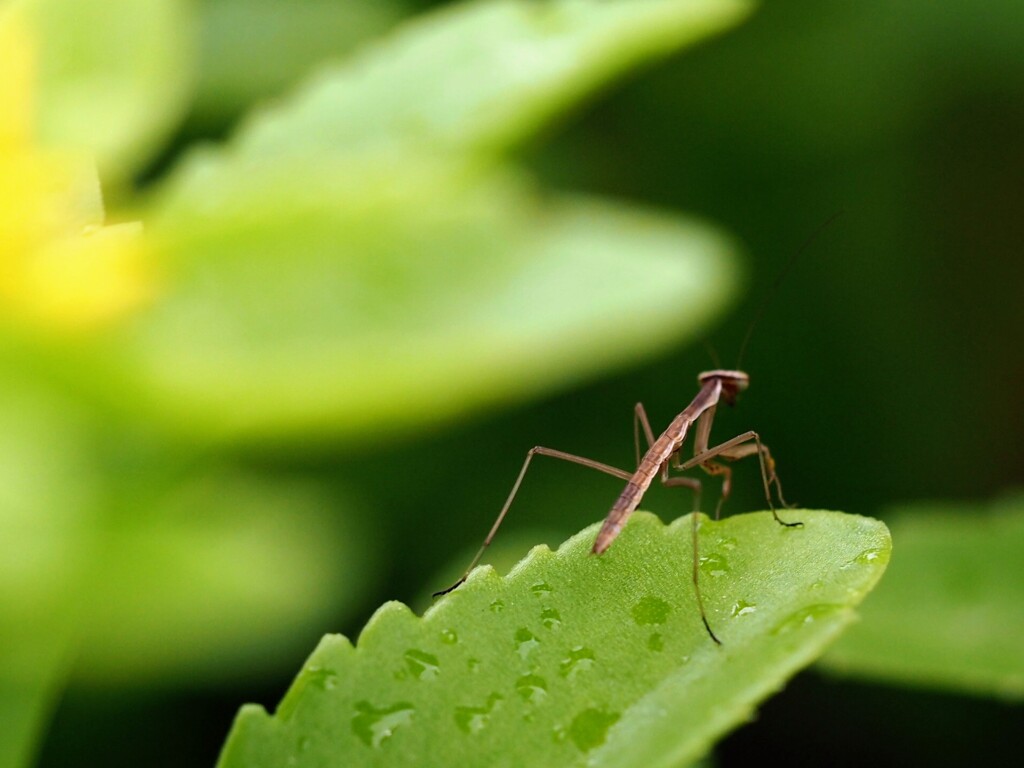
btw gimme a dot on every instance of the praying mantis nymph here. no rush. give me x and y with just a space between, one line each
663 454
719 385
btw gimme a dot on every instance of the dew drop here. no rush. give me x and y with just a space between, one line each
423 665
304 744
473 664
804 617
714 564
550 618
497 606
655 642
743 608
325 679
728 543
651 610
375 725
589 728
533 689
475 719
541 589
869 557
526 641
579 660
448 637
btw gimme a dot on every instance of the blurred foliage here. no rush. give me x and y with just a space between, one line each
580 660
250 50
353 260
112 77
381 313
888 368
948 615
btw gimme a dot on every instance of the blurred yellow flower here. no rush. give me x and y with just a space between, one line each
61 270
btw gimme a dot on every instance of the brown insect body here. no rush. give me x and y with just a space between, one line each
659 454
663 454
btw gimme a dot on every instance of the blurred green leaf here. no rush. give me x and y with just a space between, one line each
252 49
480 75
31 675
328 298
951 613
114 75
318 285
49 492
574 659
219 577
145 569
46 498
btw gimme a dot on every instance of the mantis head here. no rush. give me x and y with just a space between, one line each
733 382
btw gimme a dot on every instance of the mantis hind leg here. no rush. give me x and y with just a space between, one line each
694 484
535 451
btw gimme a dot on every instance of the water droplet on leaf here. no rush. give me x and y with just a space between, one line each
651 610
375 725
804 617
325 679
714 564
743 608
589 728
526 641
423 665
541 589
551 618
532 688
475 719
579 660
871 557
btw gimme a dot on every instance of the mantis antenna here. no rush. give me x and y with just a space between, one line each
782 276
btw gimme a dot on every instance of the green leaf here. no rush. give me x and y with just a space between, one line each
31 675
950 614
252 49
574 659
218 577
141 569
330 296
481 75
318 285
113 75
47 497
